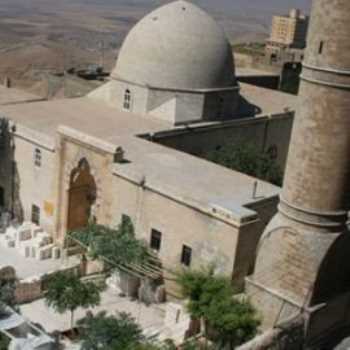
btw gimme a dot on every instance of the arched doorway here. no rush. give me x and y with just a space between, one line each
81 196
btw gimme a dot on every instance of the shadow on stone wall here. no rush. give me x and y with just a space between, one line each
333 278
9 174
247 109
330 322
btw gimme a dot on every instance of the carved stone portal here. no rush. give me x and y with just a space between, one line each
81 197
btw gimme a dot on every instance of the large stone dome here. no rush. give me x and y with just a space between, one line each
177 46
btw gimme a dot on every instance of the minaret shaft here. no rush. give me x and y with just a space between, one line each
303 256
317 178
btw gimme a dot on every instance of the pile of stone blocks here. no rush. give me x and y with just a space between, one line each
31 241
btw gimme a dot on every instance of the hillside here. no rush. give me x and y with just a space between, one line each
48 35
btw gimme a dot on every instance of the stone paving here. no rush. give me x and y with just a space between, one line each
147 316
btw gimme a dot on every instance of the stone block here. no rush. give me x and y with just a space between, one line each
11 243
24 250
56 253
24 234
45 252
33 252
36 231
27 252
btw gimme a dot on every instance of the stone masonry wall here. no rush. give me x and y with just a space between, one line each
266 132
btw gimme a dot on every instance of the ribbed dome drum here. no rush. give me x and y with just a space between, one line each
177 46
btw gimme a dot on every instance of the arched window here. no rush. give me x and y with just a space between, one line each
127 99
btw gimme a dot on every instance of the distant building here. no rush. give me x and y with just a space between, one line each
290 31
288 37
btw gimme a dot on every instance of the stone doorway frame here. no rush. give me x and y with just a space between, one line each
82 186
63 212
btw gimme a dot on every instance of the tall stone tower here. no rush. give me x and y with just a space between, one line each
303 259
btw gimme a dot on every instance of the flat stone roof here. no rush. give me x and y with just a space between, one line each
100 120
84 114
197 182
10 96
268 101
247 72
192 180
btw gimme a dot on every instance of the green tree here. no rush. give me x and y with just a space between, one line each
66 292
247 158
117 247
168 345
199 286
234 322
4 342
7 298
7 294
109 332
211 299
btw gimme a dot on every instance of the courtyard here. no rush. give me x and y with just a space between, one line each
148 317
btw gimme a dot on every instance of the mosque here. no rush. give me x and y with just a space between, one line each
133 147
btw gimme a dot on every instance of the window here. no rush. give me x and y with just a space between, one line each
156 240
320 48
127 99
37 157
125 219
186 255
2 197
35 214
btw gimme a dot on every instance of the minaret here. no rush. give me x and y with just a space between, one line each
303 258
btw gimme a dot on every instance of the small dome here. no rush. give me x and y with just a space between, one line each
177 46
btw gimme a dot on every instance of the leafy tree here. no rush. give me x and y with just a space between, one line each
167 345
246 158
234 322
7 298
200 286
66 292
118 246
211 299
109 332
7 293
4 342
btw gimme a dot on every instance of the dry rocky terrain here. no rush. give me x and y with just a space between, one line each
39 38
